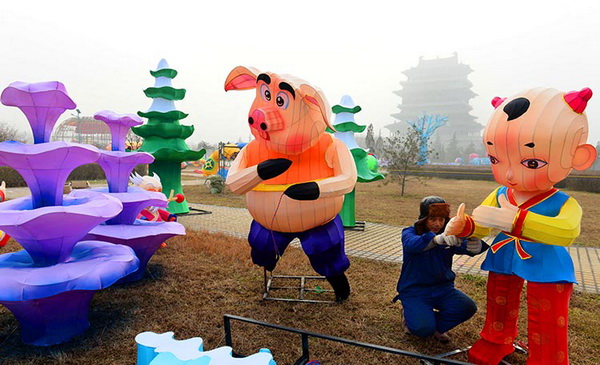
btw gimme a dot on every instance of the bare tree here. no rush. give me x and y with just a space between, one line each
370 139
402 153
10 133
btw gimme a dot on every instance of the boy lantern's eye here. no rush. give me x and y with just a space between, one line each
265 93
493 159
282 100
533 163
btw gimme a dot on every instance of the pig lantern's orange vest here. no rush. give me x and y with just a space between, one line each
310 165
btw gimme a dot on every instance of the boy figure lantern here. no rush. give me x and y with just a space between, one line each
534 140
294 174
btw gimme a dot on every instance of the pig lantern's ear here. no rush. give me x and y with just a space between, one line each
241 78
314 99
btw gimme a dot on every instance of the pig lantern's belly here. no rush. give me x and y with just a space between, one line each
291 215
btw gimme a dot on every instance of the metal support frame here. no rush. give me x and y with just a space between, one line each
305 336
195 211
301 288
359 226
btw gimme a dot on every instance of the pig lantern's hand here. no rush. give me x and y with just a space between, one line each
457 223
269 169
501 218
303 191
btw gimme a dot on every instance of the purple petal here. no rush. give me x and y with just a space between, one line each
119 125
118 165
42 103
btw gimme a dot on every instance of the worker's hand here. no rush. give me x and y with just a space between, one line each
439 239
474 245
443 240
501 218
456 223
452 241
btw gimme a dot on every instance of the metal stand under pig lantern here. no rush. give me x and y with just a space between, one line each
294 174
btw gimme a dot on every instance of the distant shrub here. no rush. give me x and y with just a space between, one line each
12 177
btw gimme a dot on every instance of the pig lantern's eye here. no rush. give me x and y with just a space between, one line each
265 93
282 100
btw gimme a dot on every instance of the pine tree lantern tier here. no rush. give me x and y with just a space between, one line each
345 128
164 137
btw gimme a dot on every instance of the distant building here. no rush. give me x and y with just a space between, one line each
83 130
439 86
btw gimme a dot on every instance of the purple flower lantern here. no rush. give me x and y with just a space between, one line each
49 285
119 125
49 234
45 167
142 236
134 201
51 303
117 164
41 102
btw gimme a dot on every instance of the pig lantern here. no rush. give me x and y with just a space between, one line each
294 174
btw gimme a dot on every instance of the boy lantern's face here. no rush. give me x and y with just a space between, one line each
532 140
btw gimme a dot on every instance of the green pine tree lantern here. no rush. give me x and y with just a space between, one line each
366 165
164 137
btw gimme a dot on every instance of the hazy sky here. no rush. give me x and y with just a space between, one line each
102 51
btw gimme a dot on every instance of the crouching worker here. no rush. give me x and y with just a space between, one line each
432 305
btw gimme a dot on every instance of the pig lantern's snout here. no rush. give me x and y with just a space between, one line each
265 121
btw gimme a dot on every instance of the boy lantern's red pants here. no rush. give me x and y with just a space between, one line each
548 310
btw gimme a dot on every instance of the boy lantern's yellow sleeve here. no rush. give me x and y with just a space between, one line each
561 230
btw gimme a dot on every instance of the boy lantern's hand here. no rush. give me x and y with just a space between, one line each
457 223
501 218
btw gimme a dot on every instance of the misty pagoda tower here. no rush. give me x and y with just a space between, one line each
164 137
439 86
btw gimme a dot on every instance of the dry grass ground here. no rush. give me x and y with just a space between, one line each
201 276
379 203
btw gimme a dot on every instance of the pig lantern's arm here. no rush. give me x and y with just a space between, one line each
344 168
338 157
242 179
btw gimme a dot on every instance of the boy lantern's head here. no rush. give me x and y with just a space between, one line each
535 138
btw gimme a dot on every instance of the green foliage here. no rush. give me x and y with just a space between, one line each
402 152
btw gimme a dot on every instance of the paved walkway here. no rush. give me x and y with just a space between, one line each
377 241
382 242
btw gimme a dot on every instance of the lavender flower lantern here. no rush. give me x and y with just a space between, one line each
143 237
41 102
49 285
